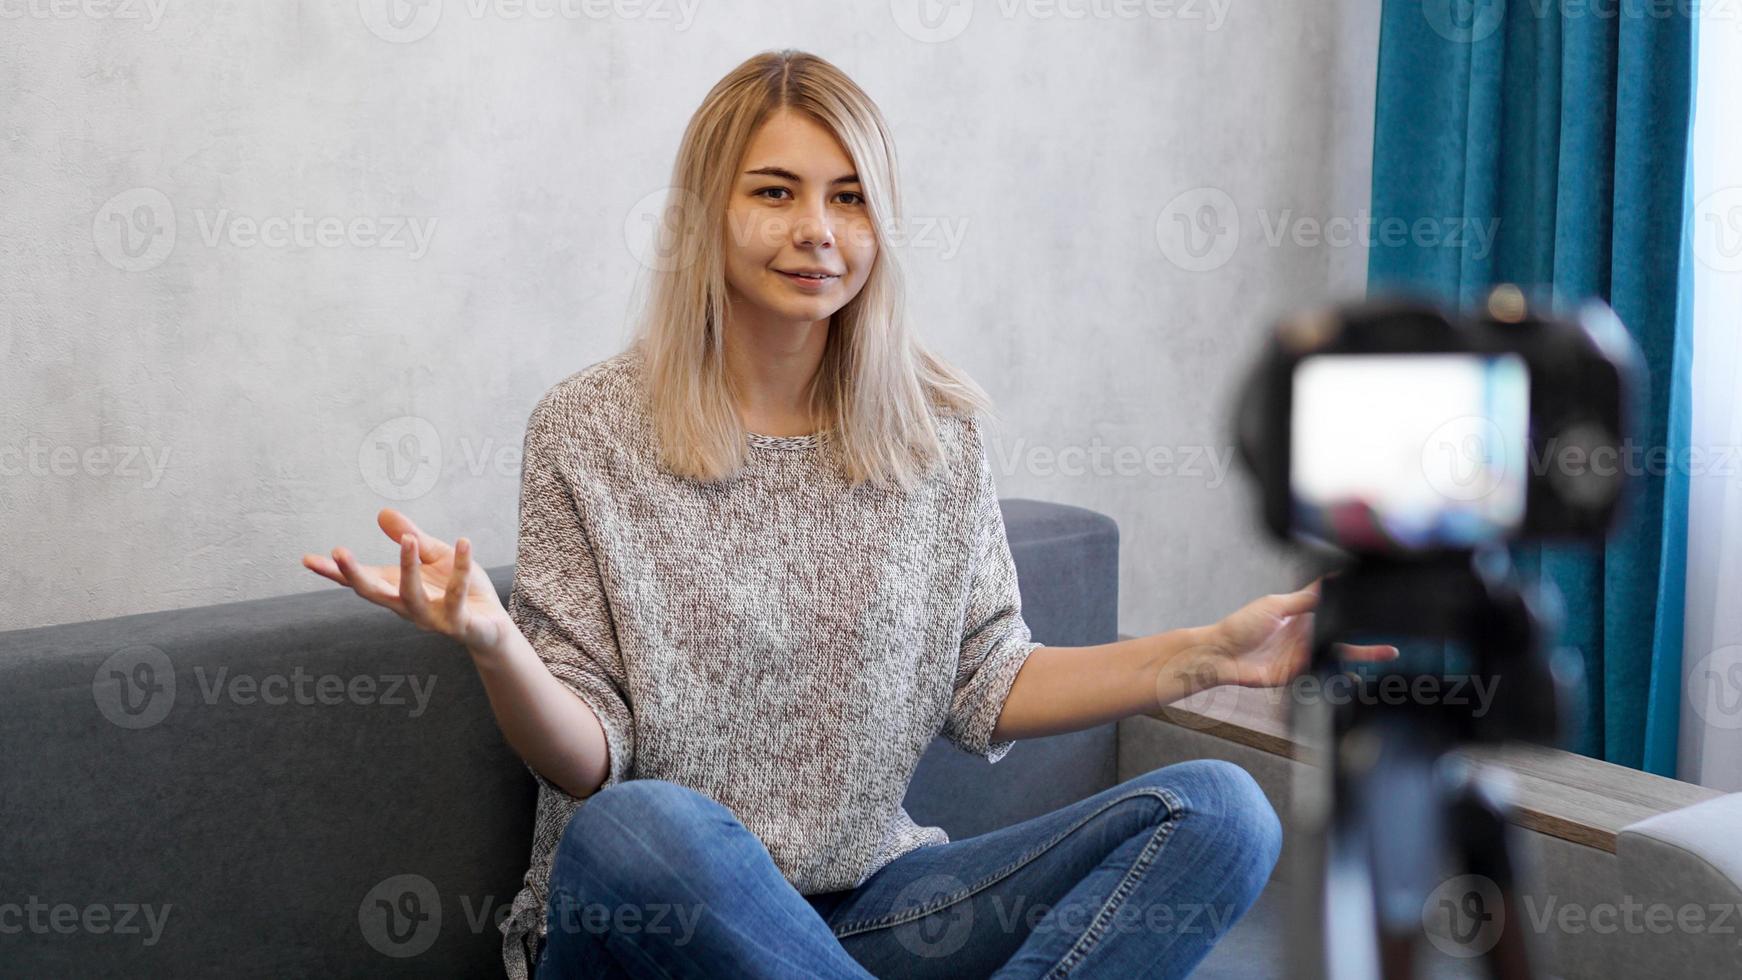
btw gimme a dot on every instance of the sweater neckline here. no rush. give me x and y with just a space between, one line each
787 443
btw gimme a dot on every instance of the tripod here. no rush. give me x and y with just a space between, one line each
1385 803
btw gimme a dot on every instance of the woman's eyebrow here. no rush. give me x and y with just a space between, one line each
786 174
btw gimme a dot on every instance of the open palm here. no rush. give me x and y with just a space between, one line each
436 585
1268 641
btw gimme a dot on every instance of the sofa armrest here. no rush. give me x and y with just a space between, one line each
1685 869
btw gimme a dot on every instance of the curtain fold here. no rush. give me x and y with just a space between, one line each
1566 126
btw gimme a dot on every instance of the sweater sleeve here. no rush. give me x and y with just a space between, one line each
558 600
995 640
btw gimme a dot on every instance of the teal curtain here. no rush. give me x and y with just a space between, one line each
1550 140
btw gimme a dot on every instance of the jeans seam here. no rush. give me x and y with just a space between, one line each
897 918
1091 936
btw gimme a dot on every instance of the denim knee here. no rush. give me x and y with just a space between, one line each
1241 815
653 807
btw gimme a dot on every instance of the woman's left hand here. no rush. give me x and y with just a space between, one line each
1268 641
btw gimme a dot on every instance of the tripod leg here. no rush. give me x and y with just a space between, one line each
1485 842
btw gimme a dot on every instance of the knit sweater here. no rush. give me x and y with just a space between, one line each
782 642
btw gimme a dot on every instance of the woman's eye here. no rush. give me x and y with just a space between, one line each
855 198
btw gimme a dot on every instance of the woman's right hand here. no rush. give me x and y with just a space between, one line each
435 585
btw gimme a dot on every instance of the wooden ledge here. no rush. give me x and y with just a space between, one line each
1554 792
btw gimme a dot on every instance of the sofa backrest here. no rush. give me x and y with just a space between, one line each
227 789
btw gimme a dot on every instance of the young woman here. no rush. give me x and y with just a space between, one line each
761 566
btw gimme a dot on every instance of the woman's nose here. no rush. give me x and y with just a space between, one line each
814 229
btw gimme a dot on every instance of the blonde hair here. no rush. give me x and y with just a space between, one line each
877 385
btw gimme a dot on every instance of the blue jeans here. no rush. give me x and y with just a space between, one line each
1138 880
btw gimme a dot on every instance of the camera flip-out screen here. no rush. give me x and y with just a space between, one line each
1412 450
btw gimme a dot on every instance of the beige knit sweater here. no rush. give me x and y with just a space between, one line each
782 642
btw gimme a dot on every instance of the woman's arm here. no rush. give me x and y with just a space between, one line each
552 729
1265 643
438 587
1066 689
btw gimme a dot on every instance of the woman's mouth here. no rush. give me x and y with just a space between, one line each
807 280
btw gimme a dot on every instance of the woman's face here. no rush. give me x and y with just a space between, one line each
796 207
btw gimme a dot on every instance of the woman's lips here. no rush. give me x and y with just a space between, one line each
812 285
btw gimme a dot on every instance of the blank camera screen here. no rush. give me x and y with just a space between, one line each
1409 450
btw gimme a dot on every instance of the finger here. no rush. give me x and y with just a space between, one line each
366 583
1369 651
454 601
397 525
411 580
322 565
1294 603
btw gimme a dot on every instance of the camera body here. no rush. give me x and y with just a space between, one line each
1390 428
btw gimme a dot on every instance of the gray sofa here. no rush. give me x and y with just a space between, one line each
228 790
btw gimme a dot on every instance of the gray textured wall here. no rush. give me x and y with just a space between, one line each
268 267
